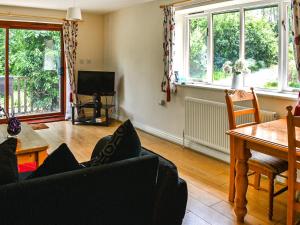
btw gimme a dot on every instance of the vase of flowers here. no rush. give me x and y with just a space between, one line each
13 124
238 70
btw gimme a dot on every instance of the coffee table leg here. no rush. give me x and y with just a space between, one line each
241 180
41 157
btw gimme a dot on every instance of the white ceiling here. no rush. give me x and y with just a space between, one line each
97 6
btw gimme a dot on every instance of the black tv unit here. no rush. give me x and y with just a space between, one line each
97 84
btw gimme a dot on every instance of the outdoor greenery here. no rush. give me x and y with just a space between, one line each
226 32
198 48
34 56
261 43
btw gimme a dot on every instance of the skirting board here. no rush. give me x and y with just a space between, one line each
178 140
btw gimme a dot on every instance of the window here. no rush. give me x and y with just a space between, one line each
198 49
226 32
31 77
259 33
262 47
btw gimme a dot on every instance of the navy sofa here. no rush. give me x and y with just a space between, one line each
144 190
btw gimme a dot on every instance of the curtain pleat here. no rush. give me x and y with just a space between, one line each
70 33
168 45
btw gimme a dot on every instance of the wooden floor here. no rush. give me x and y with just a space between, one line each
207 178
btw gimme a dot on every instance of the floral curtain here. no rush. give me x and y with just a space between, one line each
70 33
169 39
296 32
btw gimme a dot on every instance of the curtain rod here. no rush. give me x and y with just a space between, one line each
175 3
31 16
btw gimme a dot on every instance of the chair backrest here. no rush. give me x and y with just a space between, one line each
233 96
294 164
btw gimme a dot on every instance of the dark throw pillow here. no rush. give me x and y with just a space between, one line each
123 144
8 162
61 160
100 145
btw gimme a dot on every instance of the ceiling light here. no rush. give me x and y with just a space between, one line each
74 14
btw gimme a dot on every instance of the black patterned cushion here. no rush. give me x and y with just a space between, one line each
8 162
100 145
123 144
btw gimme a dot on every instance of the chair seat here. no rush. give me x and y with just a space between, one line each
271 163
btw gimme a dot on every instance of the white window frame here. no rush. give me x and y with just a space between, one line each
282 41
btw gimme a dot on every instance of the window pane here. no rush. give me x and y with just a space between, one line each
262 47
292 79
226 31
35 71
198 48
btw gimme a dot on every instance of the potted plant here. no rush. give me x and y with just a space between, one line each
238 69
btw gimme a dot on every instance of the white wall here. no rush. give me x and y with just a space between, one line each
133 48
90 42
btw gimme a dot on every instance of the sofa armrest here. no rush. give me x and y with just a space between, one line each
171 193
181 199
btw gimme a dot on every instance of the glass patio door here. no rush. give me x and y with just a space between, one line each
31 69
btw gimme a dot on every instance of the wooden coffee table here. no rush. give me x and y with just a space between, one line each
31 146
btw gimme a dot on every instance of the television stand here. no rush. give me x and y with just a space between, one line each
96 105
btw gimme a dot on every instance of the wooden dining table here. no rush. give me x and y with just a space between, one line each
269 138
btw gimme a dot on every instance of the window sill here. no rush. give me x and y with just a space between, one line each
271 94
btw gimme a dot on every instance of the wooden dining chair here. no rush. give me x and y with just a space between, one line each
293 204
259 163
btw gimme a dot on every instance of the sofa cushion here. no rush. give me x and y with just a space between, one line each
8 162
123 144
100 145
61 160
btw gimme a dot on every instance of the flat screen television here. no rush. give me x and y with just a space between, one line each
96 82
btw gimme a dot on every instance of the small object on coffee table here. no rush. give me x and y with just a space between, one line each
13 126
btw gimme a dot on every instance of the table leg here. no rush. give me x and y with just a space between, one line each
241 180
232 171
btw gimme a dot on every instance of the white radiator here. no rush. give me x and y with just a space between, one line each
206 122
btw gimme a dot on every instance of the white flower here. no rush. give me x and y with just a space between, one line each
240 66
227 67
246 71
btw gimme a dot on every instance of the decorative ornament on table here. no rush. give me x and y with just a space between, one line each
238 70
13 124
